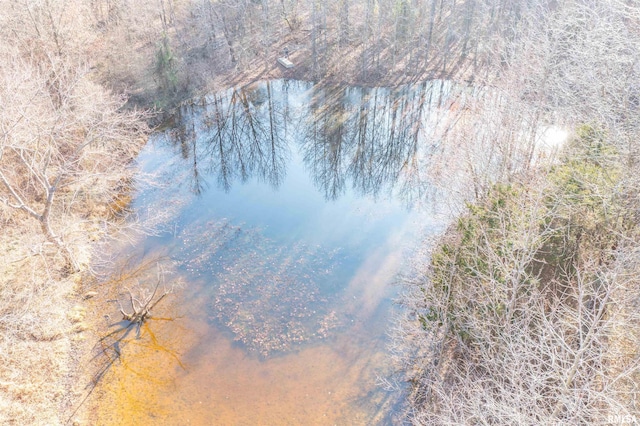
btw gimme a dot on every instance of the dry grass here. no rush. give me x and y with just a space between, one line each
46 317
41 330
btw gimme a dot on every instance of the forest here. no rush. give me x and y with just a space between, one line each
524 311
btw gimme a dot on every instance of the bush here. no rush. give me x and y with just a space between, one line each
523 307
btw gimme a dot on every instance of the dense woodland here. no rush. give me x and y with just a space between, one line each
524 312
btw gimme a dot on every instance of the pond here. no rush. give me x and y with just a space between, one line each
283 212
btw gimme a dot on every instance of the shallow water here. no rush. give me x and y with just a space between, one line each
286 209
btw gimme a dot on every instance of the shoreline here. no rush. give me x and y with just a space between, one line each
78 316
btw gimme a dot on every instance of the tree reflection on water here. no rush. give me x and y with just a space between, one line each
370 140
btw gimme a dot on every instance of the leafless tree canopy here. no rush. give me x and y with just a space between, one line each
524 312
65 141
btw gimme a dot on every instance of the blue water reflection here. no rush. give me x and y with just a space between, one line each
289 207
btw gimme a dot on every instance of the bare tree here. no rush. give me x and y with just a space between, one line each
518 314
63 141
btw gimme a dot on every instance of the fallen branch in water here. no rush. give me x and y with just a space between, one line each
142 309
111 345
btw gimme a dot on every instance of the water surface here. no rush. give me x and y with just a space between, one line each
286 209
